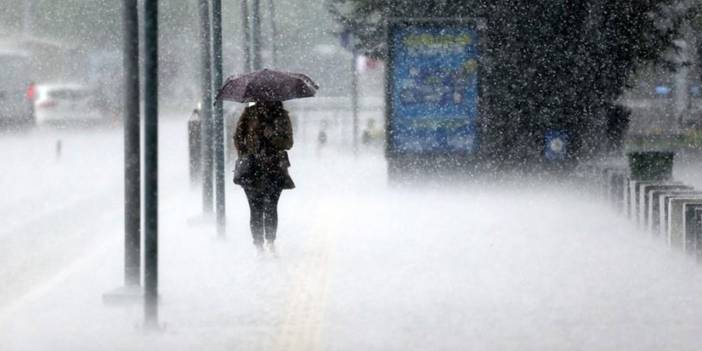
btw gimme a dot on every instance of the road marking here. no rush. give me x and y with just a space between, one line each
41 290
304 317
39 215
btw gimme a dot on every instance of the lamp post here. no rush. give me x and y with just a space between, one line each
218 115
274 33
206 111
132 147
131 291
256 34
246 30
354 93
27 17
151 163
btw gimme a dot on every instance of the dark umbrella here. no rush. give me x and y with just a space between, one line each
267 85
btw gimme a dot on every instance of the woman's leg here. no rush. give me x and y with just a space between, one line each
256 206
270 211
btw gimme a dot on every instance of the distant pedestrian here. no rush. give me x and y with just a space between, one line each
322 135
263 134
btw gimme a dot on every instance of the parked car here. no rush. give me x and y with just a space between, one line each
16 89
66 104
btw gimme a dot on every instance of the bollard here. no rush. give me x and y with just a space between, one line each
657 213
676 219
651 195
626 196
642 204
634 197
614 185
690 228
664 209
59 148
698 233
647 166
616 190
620 192
194 148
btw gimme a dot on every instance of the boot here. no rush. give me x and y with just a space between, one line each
270 246
259 247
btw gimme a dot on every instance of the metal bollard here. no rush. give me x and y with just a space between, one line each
690 226
650 195
658 212
614 186
646 167
634 198
676 219
664 213
618 184
626 197
194 148
662 223
641 205
697 230
59 148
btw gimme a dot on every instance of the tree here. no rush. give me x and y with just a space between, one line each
547 64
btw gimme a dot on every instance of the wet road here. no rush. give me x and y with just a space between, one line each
361 265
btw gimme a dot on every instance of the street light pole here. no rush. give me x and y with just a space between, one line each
274 32
132 147
247 35
131 291
218 115
151 163
354 93
27 17
256 29
206 111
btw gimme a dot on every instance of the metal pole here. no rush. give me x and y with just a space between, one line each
151 163
247 35
206 112
132 147
218 114
274 33
256 29
354 95
27 17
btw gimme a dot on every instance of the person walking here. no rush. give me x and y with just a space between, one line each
262 137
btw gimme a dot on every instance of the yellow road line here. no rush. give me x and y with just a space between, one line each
304 317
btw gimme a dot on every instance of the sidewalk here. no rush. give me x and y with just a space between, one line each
363 266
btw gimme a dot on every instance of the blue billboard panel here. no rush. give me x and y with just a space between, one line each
433 77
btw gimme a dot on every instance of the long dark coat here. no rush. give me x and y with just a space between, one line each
266 136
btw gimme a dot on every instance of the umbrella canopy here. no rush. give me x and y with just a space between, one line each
267 85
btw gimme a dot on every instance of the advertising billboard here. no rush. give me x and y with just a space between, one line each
432 87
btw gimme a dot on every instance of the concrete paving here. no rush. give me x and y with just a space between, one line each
361 265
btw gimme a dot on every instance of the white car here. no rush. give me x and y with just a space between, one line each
65 104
